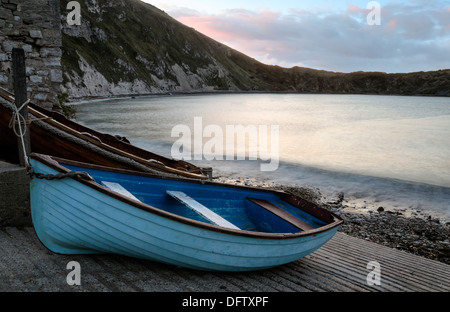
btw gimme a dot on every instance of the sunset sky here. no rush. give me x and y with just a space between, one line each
414 35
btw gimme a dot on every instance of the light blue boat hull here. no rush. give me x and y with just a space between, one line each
71 217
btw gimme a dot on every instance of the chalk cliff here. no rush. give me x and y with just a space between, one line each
127 47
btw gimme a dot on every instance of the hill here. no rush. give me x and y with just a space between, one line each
126 47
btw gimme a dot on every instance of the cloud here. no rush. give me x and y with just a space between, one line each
411 37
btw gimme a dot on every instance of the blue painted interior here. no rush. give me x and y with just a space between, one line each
229 202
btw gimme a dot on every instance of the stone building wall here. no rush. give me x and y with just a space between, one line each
35 26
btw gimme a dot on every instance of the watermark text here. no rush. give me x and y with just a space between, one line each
374 16
235 142
74 276
74 16
374 276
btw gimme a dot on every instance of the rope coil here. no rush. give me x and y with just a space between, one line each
18 119
19 125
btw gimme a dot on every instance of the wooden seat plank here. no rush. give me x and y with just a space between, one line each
283 214
116 187
202 210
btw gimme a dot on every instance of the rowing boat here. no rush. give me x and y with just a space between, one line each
82 208
53 134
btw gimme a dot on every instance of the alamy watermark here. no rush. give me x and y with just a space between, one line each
374 16
74 276
374 276
74 16
234 142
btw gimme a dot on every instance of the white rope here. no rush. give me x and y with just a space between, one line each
17 118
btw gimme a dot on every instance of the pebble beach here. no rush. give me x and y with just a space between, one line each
417 233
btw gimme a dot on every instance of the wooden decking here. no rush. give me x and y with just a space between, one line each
339 266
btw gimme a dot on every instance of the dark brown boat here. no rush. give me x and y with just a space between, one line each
53 134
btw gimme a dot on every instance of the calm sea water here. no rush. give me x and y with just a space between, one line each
385 151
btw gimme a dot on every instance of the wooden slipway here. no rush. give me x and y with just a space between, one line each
339 266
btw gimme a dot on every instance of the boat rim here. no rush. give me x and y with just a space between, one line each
57 164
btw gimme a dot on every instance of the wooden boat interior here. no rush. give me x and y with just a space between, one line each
237 208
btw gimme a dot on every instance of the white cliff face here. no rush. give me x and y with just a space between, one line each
131 69
94 84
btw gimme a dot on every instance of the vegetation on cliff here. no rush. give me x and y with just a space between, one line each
131 47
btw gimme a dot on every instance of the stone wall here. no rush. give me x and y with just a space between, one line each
34 26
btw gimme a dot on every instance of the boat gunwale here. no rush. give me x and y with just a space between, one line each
57 164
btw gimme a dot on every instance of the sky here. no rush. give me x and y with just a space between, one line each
344 36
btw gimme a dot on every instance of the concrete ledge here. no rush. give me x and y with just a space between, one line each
14 196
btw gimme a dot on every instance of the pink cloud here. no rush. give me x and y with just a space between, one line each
206 25
235 24
354 9
332 41
392 23
265 16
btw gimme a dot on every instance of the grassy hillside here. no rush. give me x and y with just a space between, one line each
130 47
